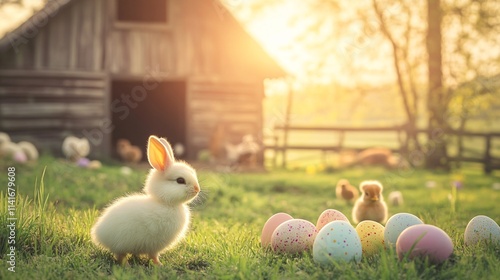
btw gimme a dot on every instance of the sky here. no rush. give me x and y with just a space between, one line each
310 42
315 41
12 15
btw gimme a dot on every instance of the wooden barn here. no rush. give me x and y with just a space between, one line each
127 69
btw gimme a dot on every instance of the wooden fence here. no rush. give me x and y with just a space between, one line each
281 142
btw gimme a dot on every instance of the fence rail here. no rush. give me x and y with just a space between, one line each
281 146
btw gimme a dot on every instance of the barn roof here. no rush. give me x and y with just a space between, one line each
256 58
35 21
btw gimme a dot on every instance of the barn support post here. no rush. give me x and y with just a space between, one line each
287 121
487 155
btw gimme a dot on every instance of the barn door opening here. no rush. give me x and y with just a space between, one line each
139 110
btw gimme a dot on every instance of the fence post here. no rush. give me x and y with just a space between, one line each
487 156
287 120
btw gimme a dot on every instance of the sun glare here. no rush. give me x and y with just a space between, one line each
274 29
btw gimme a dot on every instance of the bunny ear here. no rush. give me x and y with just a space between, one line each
170 152
157 154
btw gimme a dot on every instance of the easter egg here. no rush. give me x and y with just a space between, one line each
330 215
83 162
420 241
94 164
371 235
337 241
481 229
396 224
19 156
293 236
272 223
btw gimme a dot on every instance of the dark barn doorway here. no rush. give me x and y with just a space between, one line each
139 110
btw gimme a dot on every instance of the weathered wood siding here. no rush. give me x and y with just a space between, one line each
57 81
237 106
136 49
71 39
47 106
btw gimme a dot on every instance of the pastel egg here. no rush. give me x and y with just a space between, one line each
371 235
330 215
20 157
337 241
420 241
83 162
272 223
481 229
396 224
293 236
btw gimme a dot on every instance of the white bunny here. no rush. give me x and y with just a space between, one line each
29 149
75 148
155 221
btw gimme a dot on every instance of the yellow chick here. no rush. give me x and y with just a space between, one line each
346 191
371 205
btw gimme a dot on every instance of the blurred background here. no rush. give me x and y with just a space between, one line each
314 82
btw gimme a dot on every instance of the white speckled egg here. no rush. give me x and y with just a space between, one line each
337 241
293 236
396 224
330 215
481 229
420 241
272 223
371 235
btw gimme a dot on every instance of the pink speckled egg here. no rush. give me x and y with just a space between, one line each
293 236
19 156
371 235
482 229
272 223
337 241
330 215
424 241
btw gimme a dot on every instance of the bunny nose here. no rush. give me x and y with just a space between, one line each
196 188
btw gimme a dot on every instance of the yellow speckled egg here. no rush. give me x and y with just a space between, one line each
371 235
481 229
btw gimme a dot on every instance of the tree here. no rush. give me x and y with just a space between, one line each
400 32
437 96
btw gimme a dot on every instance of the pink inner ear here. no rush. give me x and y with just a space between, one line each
157 154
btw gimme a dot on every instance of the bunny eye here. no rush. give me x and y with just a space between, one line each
181 180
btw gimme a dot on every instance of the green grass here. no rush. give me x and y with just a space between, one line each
55 214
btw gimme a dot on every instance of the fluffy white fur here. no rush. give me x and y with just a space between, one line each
23 150
4 139
29 149
75 148
157 220
247 147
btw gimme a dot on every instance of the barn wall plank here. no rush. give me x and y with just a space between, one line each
40 93
237 106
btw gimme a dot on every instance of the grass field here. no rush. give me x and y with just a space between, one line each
55 216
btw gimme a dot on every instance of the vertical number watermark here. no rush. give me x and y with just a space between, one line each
11 218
